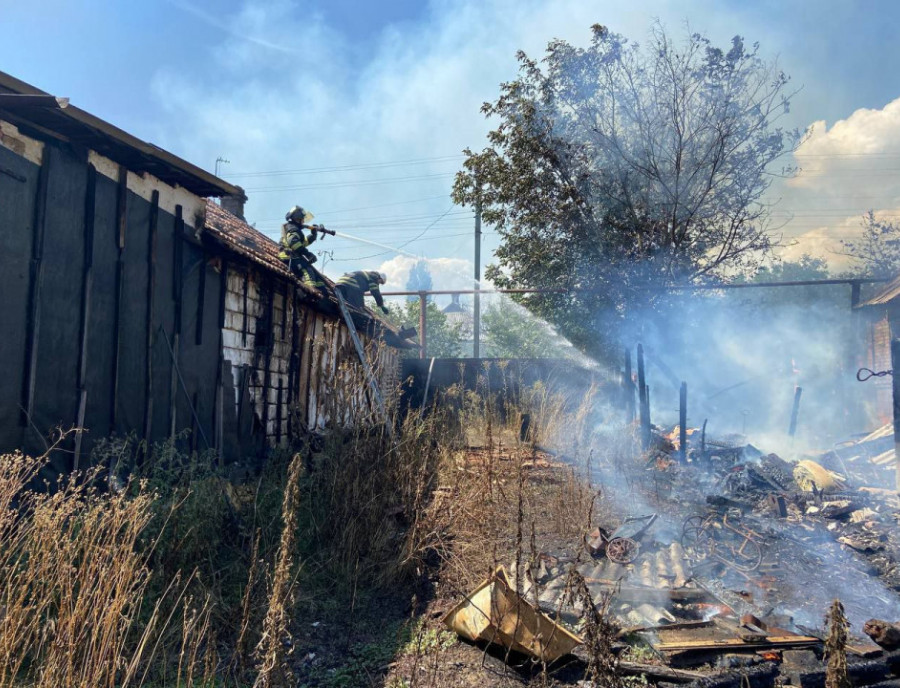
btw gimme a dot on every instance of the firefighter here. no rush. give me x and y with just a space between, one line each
294 252
354 285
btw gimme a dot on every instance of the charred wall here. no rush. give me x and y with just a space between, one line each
122 316
95 275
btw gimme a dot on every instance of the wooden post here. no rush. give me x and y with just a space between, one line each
270 346
644 399
35 279
177 293
703 441
895 366
795 411
121 224
151 300
86 284
244 323
201 297
219 412
628 389
423 336
682 423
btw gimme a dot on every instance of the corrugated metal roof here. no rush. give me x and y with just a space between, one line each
887 294
39 114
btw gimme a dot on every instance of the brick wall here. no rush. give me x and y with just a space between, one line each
264 325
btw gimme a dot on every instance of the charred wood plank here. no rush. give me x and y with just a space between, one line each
151 307
121 224
884 633
87 277
35 280
644 399
760 676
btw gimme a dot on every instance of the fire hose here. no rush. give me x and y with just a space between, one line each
864 374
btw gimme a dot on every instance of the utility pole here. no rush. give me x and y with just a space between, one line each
220 160
476 319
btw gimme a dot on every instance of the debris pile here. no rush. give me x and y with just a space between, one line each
735 568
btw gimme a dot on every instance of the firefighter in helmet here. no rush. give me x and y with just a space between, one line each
354 285
294 247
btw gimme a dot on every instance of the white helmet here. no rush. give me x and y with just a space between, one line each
382 278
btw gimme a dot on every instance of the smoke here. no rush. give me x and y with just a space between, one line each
744 353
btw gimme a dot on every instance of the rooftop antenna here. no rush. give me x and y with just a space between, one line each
221 160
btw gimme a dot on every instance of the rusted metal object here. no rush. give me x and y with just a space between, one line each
623 546
708 537
495 613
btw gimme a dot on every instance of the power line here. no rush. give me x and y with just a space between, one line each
341 185
344 168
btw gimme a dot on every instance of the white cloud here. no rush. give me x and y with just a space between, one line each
416 96
845 170
446 273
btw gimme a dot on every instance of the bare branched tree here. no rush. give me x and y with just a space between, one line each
615 166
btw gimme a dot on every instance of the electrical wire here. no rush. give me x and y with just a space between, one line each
346 168
341 185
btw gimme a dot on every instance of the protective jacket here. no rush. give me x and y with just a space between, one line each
294 242
356 284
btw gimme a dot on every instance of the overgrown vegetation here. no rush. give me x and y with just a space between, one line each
157 567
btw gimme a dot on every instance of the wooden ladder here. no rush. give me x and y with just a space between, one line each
370 374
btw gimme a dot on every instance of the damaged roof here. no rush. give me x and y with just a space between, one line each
43 116
248 241
236 235
885 295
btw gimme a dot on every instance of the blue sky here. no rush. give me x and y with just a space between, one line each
390 92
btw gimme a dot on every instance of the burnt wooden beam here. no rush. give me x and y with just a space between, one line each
644 399
177 292
35 280
195 422
201 296
284 299
795 411
244 322
151 307
293 362
87 278
628 389
121 224
270 345
278 399
219 411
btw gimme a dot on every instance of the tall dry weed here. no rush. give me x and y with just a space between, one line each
272 649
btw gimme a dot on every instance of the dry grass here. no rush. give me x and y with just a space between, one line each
73 575
175 577
273 669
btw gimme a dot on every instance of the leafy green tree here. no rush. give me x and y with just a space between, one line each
615 167
877 251
443 340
